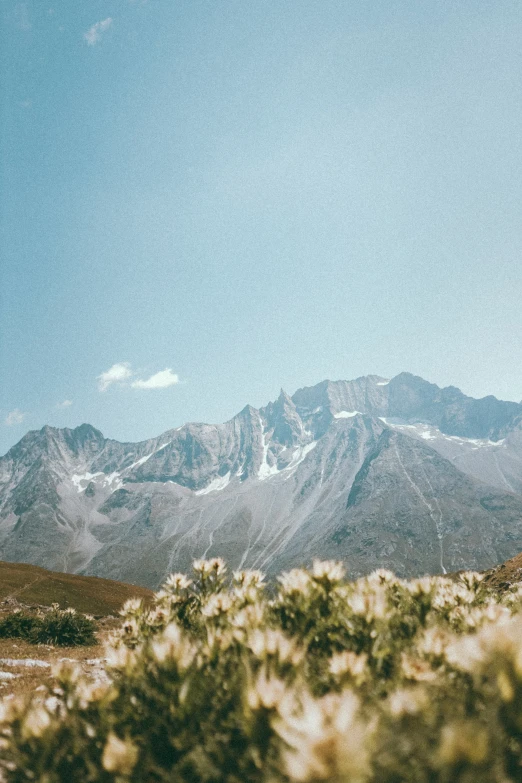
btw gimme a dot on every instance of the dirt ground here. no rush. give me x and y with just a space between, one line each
25 667
505 575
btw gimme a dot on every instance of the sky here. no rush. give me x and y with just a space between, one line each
202 201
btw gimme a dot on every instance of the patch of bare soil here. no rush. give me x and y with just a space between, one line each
25 667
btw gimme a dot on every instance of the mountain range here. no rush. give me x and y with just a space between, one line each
378 473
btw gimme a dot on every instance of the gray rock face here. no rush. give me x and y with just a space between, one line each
395 473
412 398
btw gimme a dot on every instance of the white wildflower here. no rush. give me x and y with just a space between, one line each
422 586
328 570
157 616
295 581
348 662
132 606
246 594
274 643
178 582
173 645
466 653
250 616
326 740
471 579
36 722
120 657
434 642
215 565
266 693
382 576
119 756
248 578
216 605
130 629
370 605
417 669
407 701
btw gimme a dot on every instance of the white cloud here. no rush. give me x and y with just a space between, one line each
116 374
122 373
94 33
161 380
14 417
64 404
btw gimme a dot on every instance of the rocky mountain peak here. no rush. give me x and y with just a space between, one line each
283 418
85 432
398 472
413 399
249 412
311 398
284 399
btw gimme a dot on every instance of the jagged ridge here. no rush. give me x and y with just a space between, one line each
398 473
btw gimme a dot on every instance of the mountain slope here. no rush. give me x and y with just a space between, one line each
31 585
397 473
505 575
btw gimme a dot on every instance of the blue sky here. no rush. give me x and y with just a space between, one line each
223 197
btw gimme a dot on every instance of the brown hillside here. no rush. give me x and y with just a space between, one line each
506 574
32 585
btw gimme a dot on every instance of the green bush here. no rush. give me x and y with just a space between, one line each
64 628
18 625
381 680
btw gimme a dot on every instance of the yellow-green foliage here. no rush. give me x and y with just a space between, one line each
317 679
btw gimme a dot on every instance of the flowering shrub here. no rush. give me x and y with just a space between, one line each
381 680
66 628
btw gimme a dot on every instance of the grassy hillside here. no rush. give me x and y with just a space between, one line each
32 585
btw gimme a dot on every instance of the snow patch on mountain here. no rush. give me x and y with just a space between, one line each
139 462
144 459
78 478
265 470
428 432
299 455
216 485
113 480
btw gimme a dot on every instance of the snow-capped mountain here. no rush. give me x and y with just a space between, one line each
376 472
